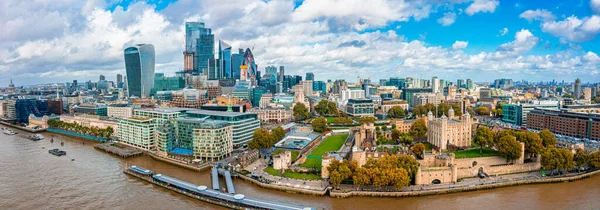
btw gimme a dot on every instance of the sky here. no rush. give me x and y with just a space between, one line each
47 41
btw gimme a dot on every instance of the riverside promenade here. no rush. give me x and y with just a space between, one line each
23 128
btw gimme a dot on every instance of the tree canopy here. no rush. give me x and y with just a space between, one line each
548 139
301 112
262 138
418 129
482 110
484 137
327 108
396 112
418 149
509 148
319 124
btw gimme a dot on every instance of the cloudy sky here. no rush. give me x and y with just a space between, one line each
44 41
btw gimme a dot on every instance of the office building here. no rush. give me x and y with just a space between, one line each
587 93
93 109
244 124
310 76
435 84
225 59
55 107
407 94
577 88
139 65
119 78
199 47
120 110
360 107
25 107
164 83
503 84
517 113
236 61
102 77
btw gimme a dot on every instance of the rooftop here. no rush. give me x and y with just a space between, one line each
216 113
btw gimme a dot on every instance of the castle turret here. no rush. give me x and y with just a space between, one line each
451 113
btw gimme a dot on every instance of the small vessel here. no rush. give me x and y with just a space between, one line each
52 140
36 137
8 131
57 152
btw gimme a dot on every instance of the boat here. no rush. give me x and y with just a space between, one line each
8 131
36 137
57 152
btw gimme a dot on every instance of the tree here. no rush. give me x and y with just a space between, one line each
595 160
399 178
406 139
442 109
566 95
332 109
418 149
457 110
301 112
261 139
393 126
361 177
366 119
396 135
342 121
278 134
396 112
557 158
335 178
581 158
483 137
548 139
482 110
533 142
509 148
322 108
418 129
419 110
319 125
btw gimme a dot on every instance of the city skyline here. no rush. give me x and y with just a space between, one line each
516 40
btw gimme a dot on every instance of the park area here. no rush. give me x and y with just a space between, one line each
474 153
293 175
331 143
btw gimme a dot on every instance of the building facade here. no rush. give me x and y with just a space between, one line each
360 107
565 122
137 132
449 131
139 65
243 124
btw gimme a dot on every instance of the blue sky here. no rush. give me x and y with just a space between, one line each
478 39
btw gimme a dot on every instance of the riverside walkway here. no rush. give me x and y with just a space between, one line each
237 201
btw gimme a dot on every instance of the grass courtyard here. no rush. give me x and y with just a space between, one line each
474 153
331 143
293 175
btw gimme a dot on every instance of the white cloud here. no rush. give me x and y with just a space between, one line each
573 28
482 6
538 14
447 19
524 41
595 5
459 45
503 31
332 44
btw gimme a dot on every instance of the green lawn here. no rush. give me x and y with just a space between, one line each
427 146
331 143
330 119
295 154
473 153
293 175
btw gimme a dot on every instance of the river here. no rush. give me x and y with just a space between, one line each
31 178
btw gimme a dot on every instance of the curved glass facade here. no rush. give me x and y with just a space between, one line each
139 65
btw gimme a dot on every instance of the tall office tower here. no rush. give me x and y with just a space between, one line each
461 83
383 82
139 65
199 47
271 70
225 59
281 73
470 84
577 88
119 78
310 76
236 61
587 93
435 84
102 77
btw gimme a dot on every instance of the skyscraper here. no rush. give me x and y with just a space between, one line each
139 65
435 84
119 78
225 59
199 47
236 61
470 84
310 76
577 88
281 73
102 77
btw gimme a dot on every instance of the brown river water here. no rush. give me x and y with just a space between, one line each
31 178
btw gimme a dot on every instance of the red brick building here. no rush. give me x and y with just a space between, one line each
565 122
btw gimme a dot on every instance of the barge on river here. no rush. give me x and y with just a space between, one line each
57 152
203 193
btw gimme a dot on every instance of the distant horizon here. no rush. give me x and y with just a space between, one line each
379 39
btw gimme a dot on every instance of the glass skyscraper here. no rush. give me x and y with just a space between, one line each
139 65
236 61
199 42
310 76
225 58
